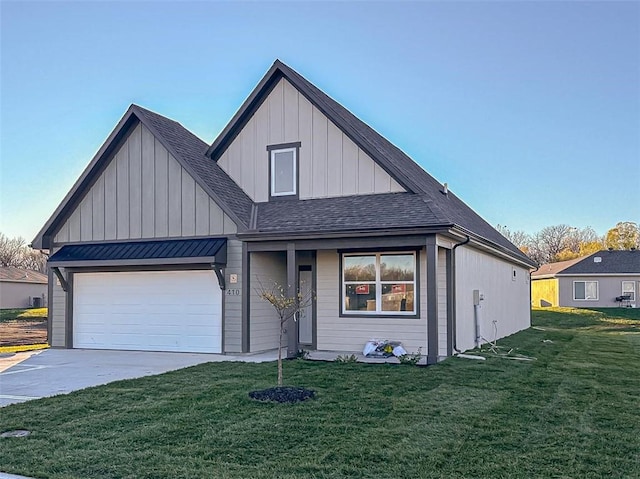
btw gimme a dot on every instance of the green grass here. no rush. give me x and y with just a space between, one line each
22 314
573 412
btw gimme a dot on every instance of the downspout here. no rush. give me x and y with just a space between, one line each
453 291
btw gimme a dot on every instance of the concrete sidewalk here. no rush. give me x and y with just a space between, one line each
4 475
37 374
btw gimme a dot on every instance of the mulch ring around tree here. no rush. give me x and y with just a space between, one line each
283 394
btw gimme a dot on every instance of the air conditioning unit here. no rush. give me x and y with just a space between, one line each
36 302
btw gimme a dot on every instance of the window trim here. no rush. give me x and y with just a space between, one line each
380 314
597 298
282 147
633 283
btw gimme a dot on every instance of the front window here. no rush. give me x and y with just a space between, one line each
629 289
379 283
283 172
585 290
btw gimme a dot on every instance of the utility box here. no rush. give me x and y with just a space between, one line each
477 297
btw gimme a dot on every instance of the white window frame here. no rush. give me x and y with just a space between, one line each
378 285
627 291
272 155
585 291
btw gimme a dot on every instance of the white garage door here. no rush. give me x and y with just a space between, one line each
149 311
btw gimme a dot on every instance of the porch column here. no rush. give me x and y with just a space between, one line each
432 300
292 292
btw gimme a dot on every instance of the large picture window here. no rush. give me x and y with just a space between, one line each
379 283
585 290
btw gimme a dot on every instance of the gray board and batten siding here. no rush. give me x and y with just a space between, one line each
331 164
144 193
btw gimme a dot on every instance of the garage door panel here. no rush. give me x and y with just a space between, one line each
155 311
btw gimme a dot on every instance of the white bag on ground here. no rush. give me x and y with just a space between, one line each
399 351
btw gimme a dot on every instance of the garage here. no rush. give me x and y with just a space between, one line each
148 311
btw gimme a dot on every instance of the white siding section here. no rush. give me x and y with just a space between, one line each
57 311
350 334
330 162
144 193
442 302
264 324
232 309
505 301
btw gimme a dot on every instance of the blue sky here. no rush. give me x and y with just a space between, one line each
529 110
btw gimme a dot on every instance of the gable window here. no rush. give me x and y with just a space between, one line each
379 284
629 289
283 170
585 290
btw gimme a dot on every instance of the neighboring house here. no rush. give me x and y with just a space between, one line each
164 240
603 279
22 288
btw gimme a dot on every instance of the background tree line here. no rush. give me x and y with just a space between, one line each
564 242
16 252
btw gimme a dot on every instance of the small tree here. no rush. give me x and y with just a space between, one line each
286 307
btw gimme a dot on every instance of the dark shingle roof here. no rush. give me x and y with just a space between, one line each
611 262
18 275
423 206
427 207
191 150
347 213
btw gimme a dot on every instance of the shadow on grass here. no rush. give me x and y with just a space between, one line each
606 320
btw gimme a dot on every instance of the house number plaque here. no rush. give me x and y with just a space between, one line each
233 292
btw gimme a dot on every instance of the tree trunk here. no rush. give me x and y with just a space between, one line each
280 354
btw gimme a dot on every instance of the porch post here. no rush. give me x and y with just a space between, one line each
432 300
292 291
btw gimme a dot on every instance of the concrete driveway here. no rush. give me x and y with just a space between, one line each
26 376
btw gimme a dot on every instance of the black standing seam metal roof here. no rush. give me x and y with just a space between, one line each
140 250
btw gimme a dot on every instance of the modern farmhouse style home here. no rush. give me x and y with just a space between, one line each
163 241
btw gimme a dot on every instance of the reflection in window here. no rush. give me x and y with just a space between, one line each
585 290
383 283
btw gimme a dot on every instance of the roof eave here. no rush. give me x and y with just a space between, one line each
495 248
253 235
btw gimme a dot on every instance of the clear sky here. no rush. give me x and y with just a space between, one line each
530 111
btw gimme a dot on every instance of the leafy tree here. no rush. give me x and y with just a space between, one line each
286 307
624 235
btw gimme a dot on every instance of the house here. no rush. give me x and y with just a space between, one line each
22 288
604 279
163 241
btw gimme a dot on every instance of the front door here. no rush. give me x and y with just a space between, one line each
305 317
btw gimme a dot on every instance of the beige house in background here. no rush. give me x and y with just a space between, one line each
22 288
164 239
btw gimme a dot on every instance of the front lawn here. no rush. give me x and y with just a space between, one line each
573 412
